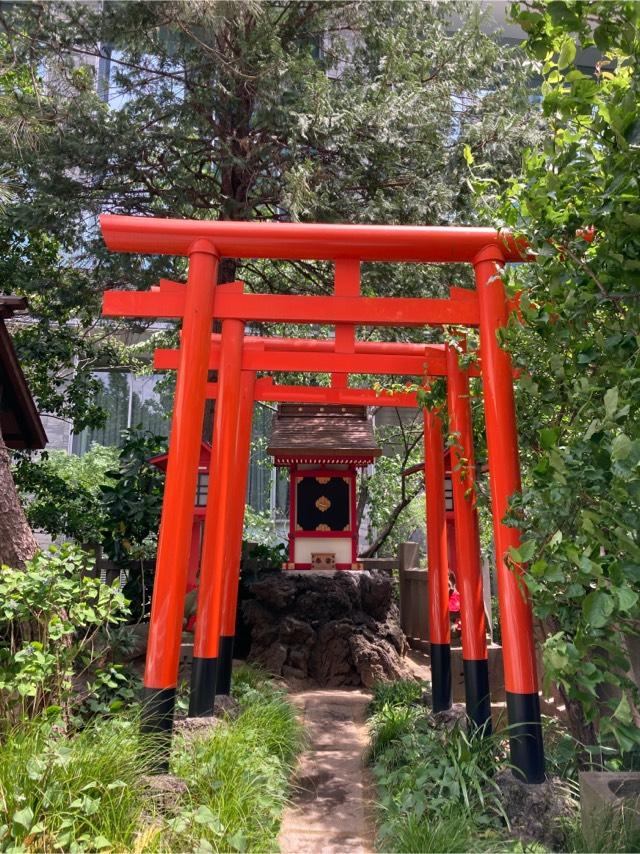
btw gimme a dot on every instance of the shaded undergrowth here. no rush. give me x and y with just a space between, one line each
436 788
437 791
89 792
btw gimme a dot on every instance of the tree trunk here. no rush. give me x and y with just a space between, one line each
388 528
17 543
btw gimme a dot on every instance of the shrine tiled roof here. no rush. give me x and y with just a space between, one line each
312 431
19 419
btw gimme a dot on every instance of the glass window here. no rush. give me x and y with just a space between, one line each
260 467
129 401
448 494
202 489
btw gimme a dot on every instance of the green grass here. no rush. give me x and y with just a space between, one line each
403 692
83 792
238 776
617 831
86 792
436 789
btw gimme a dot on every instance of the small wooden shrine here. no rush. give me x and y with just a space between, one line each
322 446
20 422
199 509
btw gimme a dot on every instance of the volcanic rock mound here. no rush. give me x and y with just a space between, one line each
327 629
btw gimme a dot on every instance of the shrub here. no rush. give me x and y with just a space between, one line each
54 624
436 787
83 793
238 774
62 492
402 692
89 792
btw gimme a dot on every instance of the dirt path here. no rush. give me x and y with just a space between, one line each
329 813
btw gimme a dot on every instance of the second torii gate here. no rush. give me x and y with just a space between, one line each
200 301
443 361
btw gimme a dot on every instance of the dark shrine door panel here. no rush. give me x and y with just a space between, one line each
323 504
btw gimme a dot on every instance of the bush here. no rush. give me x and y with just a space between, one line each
403 692
54 634
436 787
89 792
62 492
238 775
83 793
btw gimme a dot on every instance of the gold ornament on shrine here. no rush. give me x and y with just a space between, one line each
323 503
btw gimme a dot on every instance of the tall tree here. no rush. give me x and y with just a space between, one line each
17 542
355 112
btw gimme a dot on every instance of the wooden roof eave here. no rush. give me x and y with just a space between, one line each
13 378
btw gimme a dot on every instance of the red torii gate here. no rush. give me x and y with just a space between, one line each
475 657
237 359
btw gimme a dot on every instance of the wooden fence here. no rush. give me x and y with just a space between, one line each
414 597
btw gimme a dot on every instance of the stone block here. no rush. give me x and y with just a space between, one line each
496 674
605 795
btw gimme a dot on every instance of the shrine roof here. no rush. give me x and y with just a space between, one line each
317 431
19 419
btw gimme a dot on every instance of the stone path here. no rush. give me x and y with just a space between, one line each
329 810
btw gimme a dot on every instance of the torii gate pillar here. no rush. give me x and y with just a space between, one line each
438 562
165 627
518 650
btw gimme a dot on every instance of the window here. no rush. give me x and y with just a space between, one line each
260 468
448 493
129 401
202 489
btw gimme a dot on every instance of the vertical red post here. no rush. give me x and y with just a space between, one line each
194 553
167 610
223 489
234 543
469 566
518 648
437 563
346 284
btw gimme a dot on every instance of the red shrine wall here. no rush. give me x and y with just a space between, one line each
323 515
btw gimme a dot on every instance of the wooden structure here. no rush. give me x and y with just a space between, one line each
20 422
237 359
322 446
199 510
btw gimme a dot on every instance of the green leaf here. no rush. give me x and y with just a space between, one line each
524 553
597 607
621 447
567 53
627 598
23 818
468 155
623 711
203 815
611 401
549 437
601 38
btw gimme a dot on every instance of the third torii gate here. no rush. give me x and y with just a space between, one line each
237 358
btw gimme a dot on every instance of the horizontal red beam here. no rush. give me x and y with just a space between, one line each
309 241
255 359
280 308
329 345
266 390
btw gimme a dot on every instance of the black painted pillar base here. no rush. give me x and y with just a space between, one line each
203 687
476 689
225 664
525 737
156 724
441 676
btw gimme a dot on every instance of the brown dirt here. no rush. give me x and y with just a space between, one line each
330 803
